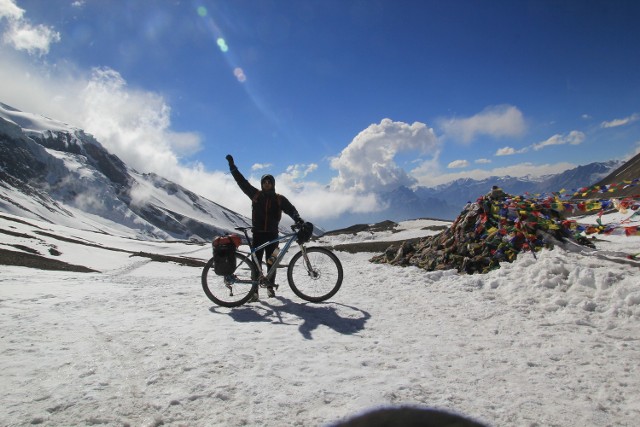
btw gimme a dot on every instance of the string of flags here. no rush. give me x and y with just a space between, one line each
537 204
608 188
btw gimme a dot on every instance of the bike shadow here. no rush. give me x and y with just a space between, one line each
312 315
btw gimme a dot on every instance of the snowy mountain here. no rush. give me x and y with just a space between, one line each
54 172
447 201
629 171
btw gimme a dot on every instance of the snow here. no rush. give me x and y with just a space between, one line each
32 122
548 340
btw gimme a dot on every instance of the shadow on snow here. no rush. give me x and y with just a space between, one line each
312 315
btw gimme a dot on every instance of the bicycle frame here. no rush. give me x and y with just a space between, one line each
289 238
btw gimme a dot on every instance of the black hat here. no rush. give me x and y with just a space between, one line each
269 177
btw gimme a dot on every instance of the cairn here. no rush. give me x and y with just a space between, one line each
492 230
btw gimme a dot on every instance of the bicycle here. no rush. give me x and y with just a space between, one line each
314 274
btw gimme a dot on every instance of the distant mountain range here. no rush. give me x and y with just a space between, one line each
448 200
57 173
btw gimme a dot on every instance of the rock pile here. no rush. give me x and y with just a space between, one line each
494 229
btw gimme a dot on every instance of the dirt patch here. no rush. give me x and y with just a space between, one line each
353 248
189 262
22 259
358 228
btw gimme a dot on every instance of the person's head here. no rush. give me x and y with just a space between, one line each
267 182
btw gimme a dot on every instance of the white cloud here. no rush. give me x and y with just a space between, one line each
482 161
297 172
430 176
458 164
9 10
21 34
573 138
506 151
621 122
509 151
498 121
133 124
261 166
367 163
294 175
319 201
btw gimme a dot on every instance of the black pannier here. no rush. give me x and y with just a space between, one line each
224 254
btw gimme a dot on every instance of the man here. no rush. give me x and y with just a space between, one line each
267 207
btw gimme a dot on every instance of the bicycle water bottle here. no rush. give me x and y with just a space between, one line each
273 256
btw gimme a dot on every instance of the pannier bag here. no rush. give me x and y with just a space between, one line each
224 254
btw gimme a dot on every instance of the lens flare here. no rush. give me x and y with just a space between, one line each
202 11
239 73
222 44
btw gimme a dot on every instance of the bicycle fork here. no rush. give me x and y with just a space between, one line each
307 263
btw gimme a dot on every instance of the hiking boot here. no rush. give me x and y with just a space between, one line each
254 297
271 292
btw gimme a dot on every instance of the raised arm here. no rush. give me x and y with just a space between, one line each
242 182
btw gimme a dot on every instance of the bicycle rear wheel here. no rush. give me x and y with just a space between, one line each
232 290
317 280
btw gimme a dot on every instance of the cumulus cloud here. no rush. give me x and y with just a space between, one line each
19 33
573 138
294 176
9 10
458 164
321 202
297 172
497 121
482 161
367 163
620 122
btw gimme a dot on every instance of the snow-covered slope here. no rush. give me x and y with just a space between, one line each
552 340
57 173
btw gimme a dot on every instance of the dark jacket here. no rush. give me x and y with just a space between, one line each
267 207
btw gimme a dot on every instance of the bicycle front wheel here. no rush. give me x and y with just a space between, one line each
316 277
234 289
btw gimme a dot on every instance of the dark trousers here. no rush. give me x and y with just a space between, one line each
260 238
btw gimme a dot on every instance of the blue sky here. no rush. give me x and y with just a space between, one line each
338 99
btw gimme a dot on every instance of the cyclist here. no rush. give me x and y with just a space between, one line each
267 208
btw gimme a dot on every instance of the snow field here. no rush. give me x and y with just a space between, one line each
545 341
